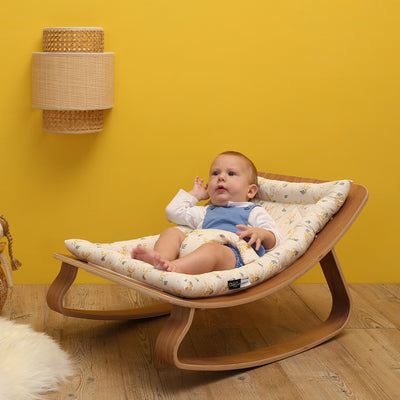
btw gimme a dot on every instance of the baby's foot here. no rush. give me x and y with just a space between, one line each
169 267
150 256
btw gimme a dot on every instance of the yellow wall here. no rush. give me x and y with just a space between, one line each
303 88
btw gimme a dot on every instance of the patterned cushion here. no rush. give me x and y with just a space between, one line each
300 210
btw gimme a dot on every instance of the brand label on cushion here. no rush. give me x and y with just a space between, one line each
238 283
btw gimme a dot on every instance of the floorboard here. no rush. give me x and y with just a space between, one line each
117 359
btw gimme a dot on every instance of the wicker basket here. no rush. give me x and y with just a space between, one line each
5 275
3 282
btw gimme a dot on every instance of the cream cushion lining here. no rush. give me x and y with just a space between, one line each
300 210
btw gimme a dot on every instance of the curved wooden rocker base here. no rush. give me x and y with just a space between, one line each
64 280
181 318
171 336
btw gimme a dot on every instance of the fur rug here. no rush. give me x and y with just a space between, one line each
31 363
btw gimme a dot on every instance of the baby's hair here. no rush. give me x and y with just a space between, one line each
253 169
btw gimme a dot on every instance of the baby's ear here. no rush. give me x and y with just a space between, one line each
252 191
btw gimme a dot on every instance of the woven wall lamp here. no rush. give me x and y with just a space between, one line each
73 80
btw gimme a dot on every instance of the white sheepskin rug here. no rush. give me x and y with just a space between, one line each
31 363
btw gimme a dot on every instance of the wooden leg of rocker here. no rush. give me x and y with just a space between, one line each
181 318
64 280
341 300
172 334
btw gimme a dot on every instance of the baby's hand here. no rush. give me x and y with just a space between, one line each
256 235
199 191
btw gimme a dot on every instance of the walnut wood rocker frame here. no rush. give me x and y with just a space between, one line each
182 310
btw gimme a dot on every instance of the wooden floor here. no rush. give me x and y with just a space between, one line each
116 360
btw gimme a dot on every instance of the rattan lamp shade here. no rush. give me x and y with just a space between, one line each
73 80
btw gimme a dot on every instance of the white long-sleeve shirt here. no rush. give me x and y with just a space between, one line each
183 210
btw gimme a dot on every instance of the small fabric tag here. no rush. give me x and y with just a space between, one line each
238 283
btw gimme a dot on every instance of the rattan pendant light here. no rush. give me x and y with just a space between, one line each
73 80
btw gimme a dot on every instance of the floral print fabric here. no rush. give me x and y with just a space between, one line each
300 210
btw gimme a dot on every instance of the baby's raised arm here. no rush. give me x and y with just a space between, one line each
199 191
183 209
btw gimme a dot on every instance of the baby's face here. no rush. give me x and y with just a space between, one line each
230 180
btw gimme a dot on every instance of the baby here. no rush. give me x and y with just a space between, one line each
232 184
